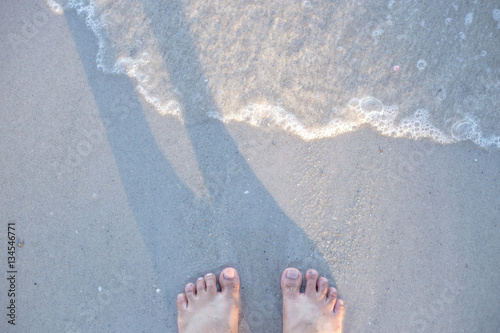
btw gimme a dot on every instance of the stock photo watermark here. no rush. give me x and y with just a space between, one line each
423 318
86 313
414 159
91 139
31 27
11 272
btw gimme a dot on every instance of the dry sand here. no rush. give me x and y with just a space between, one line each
119 207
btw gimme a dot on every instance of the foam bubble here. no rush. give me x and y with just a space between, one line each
463 129
496 16
371 105
468 18
421 64
55 7
354 103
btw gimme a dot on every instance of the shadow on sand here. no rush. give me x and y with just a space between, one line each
249 232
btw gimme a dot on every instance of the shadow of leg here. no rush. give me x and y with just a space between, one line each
265 240
174 225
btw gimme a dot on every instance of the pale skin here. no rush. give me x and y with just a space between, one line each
204 309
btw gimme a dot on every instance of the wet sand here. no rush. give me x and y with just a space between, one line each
119 207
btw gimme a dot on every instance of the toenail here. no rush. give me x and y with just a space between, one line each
229 273
190 288
200 278
313 273
292 273
209 274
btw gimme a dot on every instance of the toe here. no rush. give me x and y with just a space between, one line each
229 281
211 283
291 281
190 292
200 285
181 302
338 309
331 297
311 282
322 287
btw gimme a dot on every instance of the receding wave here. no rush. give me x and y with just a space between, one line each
315 69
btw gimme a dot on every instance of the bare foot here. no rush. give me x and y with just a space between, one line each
203 309
316 311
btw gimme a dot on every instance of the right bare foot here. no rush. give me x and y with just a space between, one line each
318 310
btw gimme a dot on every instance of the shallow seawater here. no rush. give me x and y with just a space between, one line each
313 68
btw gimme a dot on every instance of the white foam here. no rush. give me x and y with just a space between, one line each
468 18
97 25
55 7
145 68
367 111
496 16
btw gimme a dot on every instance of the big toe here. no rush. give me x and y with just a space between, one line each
291 281
229 281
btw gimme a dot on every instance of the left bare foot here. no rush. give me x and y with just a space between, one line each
203 309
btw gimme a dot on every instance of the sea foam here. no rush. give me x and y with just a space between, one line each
312 72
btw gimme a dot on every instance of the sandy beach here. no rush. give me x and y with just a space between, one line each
116 206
